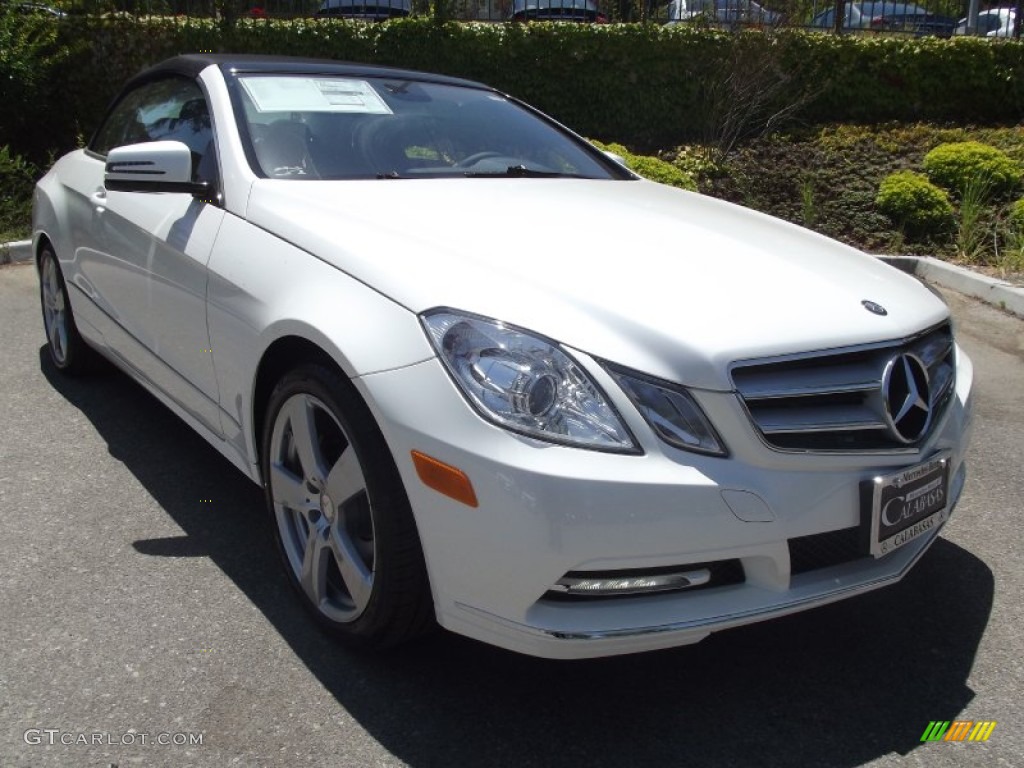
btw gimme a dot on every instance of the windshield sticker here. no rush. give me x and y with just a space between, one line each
313 94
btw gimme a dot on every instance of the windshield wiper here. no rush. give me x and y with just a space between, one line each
521 171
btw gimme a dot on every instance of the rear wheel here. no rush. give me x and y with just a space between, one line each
69 353
342 520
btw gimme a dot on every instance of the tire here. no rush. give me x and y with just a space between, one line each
340 515
68 351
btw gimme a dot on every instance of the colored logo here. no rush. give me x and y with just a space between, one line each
958 730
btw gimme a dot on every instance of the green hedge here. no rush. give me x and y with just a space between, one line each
17 177
640 84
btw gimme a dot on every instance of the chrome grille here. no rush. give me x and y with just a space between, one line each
833 400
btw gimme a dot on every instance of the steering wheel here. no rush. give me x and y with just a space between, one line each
475 158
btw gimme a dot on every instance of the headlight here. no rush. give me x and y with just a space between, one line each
671 411
525 383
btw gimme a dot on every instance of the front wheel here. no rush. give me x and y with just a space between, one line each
68 351
342 520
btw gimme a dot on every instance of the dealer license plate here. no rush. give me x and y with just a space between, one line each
907 504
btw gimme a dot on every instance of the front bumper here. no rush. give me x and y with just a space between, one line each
546 510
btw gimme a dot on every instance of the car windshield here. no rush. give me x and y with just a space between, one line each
546 5
862 13
891 9
381 8
315 126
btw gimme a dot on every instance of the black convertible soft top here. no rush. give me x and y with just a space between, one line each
192 64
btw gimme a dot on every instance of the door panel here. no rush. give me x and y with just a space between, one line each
81 176
142 256
157 246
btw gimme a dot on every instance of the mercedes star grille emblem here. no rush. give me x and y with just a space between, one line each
871 306
908 408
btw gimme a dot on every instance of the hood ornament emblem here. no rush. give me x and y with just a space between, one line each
877 309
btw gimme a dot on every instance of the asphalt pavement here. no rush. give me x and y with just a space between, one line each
144 620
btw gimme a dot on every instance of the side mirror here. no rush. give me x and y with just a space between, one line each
153 166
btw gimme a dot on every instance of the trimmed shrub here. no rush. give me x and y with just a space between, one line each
1015 214
914 203
651 168
961 164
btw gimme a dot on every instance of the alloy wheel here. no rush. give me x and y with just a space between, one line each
55 316
322 509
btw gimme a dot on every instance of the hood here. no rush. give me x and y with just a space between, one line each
670 283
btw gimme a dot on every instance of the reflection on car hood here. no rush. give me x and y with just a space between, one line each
668 282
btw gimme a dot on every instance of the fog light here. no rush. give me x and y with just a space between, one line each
631 585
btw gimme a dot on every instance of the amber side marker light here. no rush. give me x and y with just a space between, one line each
444 478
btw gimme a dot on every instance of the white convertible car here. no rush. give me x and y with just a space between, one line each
486 375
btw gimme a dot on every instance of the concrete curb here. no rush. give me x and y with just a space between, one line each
17 252
998 293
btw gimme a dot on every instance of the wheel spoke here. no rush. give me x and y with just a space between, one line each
59 344
315 559
300 415
50 279
288 490
358 579
346 478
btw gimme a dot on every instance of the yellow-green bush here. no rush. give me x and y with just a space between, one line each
957 165
914 203
1015 214
652 168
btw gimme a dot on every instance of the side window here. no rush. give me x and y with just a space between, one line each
171 109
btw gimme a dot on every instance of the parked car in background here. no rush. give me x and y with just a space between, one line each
582 11
38 9
888 17
485 374
995 22
723 12
368 10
